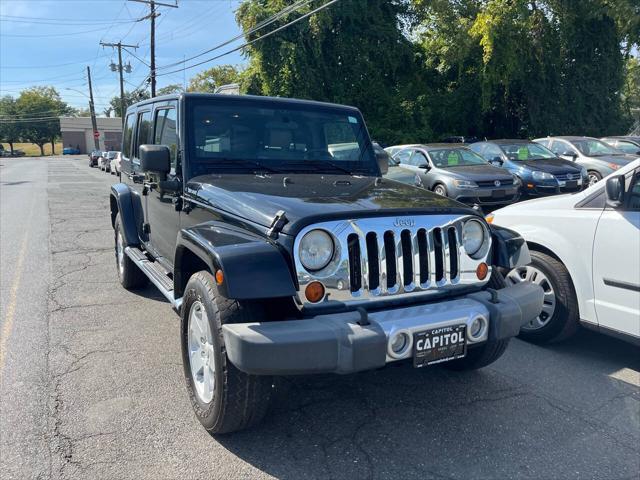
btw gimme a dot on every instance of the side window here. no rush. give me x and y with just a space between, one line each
166 132
417 159
492 151
144 128
633 194
560 148
403 157
127 135
544 142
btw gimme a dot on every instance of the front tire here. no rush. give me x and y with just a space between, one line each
560 317
594 177
224 398
129 274
440 189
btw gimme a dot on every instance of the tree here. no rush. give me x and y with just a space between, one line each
129 99
352 52
9 128
41 106
169 89
209 80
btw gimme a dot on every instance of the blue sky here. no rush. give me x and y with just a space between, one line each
50 42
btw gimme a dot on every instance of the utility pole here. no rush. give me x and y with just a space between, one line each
152 4
120 68
94 123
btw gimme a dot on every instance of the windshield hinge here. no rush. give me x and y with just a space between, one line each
277 224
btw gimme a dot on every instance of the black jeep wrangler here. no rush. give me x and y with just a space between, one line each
267 224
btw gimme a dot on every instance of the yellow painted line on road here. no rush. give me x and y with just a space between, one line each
7 326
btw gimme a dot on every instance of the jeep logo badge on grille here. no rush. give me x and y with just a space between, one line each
404 222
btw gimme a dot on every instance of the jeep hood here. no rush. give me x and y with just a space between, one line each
311 198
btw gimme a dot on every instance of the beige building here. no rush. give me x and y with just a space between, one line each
77 132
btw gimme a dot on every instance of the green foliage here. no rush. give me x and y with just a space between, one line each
352 52
37 104
10 130
424 69
209 80
169 89
129 99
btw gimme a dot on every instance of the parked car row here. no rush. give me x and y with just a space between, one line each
501 172
106 161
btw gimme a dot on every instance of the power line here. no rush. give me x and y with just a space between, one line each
251 42
264 23
46 66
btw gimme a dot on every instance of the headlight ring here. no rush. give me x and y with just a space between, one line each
474 237
316 250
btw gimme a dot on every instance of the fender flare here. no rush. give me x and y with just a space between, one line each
253 268
123 201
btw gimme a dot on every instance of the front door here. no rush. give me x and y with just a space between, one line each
616 263
163 205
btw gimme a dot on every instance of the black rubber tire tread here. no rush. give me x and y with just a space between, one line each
244 399
566 318
132 277
479 357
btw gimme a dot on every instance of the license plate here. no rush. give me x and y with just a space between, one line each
439 345
562 183
498 193
572 184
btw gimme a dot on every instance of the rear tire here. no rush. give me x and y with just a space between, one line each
230 400
561 322
129 274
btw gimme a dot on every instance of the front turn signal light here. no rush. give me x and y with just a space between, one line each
314 292
482 271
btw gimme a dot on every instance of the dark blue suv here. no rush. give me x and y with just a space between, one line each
539 169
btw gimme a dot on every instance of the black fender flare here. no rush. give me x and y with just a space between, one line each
125 202
252 267
510 250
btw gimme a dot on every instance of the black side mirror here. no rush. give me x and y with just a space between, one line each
425 166
569 153
383 160
155 158
497 160
614 189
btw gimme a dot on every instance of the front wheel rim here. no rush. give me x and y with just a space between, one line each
120 252
440 191
532 274
202 361
593 179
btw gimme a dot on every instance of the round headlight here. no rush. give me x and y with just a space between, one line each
472 237
316 250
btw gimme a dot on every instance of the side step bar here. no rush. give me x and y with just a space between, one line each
156 275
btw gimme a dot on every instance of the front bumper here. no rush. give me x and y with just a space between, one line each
543 189
488 196
358 340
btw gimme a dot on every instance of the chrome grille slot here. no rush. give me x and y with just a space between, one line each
355 265
390 259
439 254
382 257
374 260
453 253
407 257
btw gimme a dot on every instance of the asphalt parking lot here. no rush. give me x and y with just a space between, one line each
92 381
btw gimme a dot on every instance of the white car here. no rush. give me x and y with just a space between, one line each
115 164
585 253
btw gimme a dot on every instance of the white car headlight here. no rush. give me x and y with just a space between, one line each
473 237
542 176
465 184
316 250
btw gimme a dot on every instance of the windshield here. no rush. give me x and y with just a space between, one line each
253 135
594 148
455 157
520 152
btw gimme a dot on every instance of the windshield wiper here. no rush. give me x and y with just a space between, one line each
318 164
242 162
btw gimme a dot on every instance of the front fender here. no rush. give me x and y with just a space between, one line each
509 248
252 267
125 202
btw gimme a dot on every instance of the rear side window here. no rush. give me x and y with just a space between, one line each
403 157
166 132
492 151
128 135
144 129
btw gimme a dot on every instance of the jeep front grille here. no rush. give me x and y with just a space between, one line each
381 257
